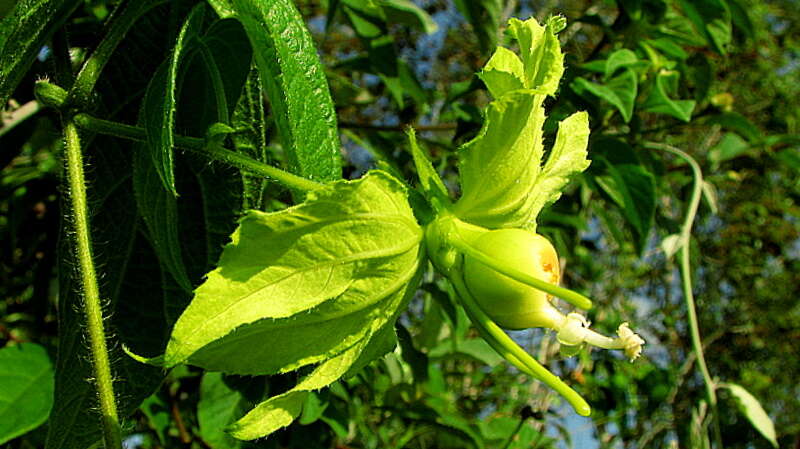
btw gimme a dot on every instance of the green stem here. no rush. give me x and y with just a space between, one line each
122 19
686 277
512 352
574 298
91 292
248 164
198 145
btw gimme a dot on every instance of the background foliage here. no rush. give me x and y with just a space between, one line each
717 78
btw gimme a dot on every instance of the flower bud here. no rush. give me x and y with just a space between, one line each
510 303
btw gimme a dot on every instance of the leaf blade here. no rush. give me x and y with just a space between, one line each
751 408
567 158
23 32
279 411
26 389
296 86
160 102
331 255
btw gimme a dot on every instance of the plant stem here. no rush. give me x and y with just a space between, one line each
122 19
248 164
198 145
686 277
91 292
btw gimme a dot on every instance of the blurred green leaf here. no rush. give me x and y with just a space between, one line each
790 157
408 13
729 147
485 17
734 121
220 405
473 348
26 389
620 91
632 187
659 101
619 59
712 19
750 407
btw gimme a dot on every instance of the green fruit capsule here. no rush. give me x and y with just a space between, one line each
510 303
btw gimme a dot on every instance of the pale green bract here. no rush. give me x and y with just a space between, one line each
503 182
305 284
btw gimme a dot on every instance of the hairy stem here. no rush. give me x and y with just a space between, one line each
686 277
89 287
198 145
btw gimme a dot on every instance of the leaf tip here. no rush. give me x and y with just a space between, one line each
158 361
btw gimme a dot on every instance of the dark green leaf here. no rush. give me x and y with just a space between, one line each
712 19
619 59
620 91
729 147
632 187
159 209
296 86
659 101
741 17
789 157
733 121
159 105
220 405
700 71
406 12
23 32
26 389
219 61
251 138
485 17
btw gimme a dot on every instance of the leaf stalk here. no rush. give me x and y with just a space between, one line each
199 145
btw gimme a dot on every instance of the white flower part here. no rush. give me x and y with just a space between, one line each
631 342
573 330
